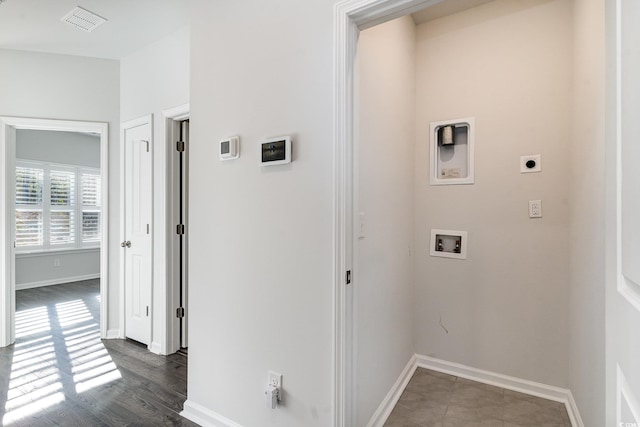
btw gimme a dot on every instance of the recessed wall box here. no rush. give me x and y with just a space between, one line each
531 163
230 148
448 244
275 151
451 148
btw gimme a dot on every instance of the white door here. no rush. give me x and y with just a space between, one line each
623 294
137 244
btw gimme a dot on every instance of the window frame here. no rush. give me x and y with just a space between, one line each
76 208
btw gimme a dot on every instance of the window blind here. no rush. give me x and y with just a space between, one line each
57 206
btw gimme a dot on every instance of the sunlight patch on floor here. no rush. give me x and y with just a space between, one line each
44 369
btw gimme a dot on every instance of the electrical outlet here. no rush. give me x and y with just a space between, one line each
275 379
535 208
56 262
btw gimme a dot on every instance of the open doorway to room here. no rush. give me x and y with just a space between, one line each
177 133
54 279
410 308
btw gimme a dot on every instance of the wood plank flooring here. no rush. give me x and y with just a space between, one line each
60 373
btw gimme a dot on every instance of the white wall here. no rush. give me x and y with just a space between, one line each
383 279
509 65
70 148
155 79
70 88
587 201
261 238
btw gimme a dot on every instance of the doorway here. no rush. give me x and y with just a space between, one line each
62 233
176 123
182 204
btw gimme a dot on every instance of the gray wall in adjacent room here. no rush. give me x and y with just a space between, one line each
67 148
34 270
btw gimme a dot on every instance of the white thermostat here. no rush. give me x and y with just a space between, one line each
230 148
275 151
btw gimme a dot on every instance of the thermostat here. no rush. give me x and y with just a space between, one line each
275 151
230 148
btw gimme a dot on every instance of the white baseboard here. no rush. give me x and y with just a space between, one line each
31 285
155 347
532 388
205 417
384 410
572 410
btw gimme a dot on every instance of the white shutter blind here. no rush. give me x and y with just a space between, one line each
90 207
63 203
57 206
29 215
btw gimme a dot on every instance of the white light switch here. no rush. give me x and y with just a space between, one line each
535 208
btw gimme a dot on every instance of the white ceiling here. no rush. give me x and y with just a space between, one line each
447 7
35 25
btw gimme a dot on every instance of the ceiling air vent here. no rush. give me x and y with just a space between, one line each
83 19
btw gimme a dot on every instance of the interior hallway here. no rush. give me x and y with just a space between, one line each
59 371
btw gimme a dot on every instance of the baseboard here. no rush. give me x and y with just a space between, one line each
205 417
532 388
572 410
31 285
155 347
384 410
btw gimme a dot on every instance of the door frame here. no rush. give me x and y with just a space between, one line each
147 119
8 127
172 118
350 17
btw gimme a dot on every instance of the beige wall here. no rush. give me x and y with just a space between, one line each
383 279
509 65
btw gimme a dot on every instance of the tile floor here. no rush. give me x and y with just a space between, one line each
433 399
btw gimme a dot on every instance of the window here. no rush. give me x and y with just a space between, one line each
57 206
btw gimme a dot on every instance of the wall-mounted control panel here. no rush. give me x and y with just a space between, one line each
275 151
451 149
448 244
531 163
230 148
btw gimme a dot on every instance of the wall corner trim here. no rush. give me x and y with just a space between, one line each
384 410
532 388
205 417
155 347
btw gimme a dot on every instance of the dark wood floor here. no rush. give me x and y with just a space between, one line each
59 372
